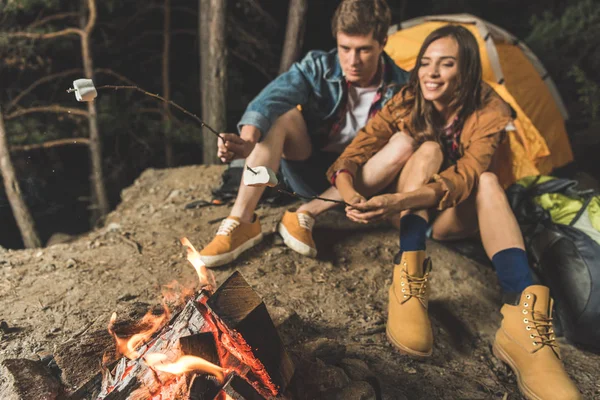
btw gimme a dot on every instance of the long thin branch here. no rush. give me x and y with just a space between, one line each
50 18
37 83
43 36
265 15
171 102
253 63
91 17
49 144
110 72
52 109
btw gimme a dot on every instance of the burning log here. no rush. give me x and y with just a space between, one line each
221 346
240 309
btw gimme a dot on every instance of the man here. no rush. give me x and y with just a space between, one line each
303 120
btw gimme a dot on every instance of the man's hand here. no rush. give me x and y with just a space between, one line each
376 209
233 147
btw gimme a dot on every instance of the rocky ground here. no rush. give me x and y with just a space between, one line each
332 309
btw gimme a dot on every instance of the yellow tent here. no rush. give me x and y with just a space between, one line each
539 143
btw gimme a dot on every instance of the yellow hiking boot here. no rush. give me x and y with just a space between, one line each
232 239
296 230
408 327
526 342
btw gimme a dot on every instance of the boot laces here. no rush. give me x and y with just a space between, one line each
415 287
542 325
306 221
227 226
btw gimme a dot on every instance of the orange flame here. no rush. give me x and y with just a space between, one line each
151 323
183 364
206 277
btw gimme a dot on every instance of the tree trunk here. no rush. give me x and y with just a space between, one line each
100 199
214 74
166 84
13 192
294 34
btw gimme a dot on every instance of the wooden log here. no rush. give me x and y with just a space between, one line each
22 379
129 375
79 359
242 310
203 387
238 389
200 345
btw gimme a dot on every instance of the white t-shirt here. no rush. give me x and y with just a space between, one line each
357 113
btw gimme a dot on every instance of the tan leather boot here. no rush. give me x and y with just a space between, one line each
525 341
408 327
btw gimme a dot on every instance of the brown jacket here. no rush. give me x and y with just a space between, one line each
481 134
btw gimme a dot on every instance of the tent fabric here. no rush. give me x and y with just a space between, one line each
540 142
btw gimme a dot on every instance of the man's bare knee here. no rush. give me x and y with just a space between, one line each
289 131
289 123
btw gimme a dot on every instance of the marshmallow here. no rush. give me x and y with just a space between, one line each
84 90
260 176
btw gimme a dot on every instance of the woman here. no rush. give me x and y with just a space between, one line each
456 123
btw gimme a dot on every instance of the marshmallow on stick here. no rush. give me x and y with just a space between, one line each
260 176
84 90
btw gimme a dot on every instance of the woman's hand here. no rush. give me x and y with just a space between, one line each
376 209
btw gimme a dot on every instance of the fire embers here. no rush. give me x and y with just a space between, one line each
222 345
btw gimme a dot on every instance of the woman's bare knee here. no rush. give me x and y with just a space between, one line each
489 188
430 149
402 146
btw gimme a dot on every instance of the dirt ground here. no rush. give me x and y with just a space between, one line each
50 295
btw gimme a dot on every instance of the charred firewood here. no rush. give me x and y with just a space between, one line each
242 310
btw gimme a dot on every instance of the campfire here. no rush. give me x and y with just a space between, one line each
221 345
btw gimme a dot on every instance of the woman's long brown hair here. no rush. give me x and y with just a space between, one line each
425 121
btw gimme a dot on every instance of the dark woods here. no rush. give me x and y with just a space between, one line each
164 47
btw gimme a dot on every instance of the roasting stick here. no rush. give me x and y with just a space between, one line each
266 177
85 90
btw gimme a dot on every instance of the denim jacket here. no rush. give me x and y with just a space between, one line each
317 84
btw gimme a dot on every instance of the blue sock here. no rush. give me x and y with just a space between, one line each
512 268
413 233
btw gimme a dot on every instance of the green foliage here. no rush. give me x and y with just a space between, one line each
31 131
588 92
20 6
568 42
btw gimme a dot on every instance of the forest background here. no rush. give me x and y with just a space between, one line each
57 145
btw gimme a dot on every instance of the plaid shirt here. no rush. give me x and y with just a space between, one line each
450 141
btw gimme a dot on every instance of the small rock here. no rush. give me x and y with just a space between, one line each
410 370
127 297
325 349
173 195
70 263
325 377
39 254
359 390
113 226
357 370
4 326
48 268
27 379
